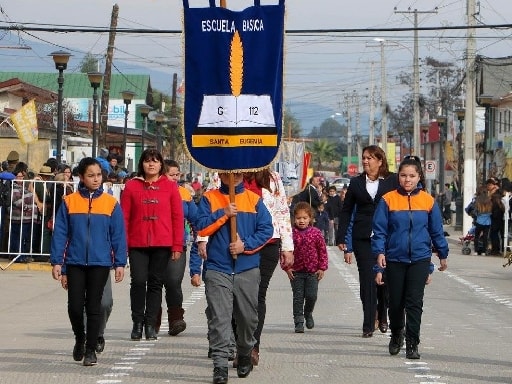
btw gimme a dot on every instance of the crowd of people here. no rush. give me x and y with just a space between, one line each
238 243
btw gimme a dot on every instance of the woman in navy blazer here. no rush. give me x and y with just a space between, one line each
363 194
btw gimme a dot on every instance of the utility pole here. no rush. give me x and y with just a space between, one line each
358 138
348 118
469 119
106 77
383 100
371 136
416 76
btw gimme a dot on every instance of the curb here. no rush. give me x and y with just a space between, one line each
34 266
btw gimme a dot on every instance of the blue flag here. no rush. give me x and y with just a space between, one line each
234 85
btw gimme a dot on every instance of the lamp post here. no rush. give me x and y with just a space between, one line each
173 123
144 112
127 99
441 121
159 118
60 58
485 101
95 80
459 199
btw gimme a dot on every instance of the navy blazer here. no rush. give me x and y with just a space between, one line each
358 198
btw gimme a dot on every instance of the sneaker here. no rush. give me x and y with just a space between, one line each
220 375
90 358
310 323
100 345
78 351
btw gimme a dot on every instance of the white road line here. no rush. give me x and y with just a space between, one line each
135 354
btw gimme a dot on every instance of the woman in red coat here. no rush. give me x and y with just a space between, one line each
153 216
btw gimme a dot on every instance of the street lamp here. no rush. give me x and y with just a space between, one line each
95 80
173 123
459 199
127 99
60 58
441 121
425 128
144 112
485 101
159 118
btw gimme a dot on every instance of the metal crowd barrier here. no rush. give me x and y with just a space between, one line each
28 237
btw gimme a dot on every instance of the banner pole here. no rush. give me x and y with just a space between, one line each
232 221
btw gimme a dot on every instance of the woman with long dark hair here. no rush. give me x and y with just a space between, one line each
363 194
153 215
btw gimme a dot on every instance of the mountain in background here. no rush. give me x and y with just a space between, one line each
37 59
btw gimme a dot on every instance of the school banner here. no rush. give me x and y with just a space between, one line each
290 166
25 123
234 92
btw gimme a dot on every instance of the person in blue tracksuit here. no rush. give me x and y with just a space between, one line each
89 239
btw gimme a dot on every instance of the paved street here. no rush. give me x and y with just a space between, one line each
466 334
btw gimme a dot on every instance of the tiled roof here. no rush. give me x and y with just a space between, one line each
77 85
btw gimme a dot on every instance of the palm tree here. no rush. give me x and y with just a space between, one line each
323 151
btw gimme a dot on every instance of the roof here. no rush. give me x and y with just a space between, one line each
494 76
27 91
77 85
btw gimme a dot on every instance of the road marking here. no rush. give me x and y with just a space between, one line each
135 354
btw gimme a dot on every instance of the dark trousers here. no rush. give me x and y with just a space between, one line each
481 238
305 293
369 293
85 289
406 285
269 257
173 279
147 271
495 235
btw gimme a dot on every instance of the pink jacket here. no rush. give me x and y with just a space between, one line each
153 214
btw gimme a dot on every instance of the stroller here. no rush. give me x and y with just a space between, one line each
466 241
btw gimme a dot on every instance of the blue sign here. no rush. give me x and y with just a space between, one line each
233 85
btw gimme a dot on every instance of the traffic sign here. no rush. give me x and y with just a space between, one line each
430 169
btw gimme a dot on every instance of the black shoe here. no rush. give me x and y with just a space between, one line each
244 366
136 331
299 327
310 323
367 334
383 326
176 327
150 332
396 342
78 351
220 375
100 345
411 350
90 358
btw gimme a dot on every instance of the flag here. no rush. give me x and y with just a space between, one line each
25 123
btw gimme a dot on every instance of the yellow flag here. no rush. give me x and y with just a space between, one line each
25 122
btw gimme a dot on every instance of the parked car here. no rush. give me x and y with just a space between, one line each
340 182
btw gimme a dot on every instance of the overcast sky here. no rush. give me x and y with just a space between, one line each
320 69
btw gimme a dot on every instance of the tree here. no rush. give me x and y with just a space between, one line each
89 63
291 126
323 151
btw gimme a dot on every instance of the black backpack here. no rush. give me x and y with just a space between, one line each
5 193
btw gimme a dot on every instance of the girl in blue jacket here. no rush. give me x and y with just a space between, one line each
88 240
406 223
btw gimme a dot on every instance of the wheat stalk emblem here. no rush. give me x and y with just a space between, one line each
236 65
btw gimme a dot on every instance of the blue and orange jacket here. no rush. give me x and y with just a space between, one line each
89 230
254 226
405 225
189 209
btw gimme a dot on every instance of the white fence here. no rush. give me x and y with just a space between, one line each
26 221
